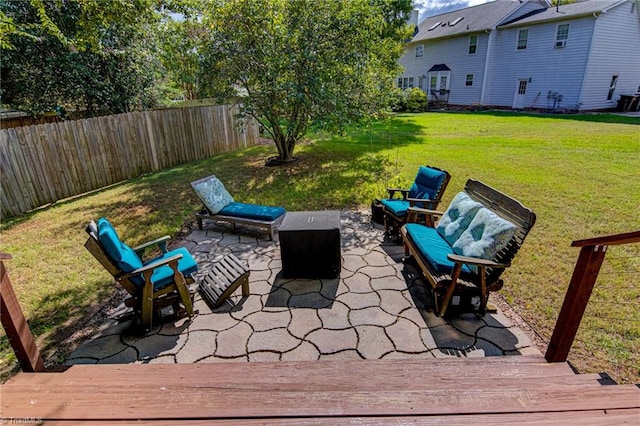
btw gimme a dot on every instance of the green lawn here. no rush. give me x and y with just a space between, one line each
580 174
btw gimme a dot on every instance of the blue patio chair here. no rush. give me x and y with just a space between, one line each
152 284
425 192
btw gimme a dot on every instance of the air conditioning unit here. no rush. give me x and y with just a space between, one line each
560 44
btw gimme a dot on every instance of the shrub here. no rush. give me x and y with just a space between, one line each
396 100
415 100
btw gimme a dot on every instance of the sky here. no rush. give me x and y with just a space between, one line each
436 7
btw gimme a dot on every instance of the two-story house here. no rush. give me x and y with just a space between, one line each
526 54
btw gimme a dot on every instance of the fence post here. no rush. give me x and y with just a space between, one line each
15 325
575 302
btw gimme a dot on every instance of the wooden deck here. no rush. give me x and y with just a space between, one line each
517 389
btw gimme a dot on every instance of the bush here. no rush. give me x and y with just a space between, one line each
415 100
396 100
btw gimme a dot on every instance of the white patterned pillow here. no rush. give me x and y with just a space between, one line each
486 235
213 194
457 217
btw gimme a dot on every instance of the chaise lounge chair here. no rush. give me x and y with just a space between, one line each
425 192
152 284
220 206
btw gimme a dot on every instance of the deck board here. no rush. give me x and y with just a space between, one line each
376 389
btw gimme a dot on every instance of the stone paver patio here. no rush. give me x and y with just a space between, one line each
378 308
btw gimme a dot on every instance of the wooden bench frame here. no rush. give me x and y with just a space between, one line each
270 226
445 285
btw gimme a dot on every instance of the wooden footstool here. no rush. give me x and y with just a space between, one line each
224 279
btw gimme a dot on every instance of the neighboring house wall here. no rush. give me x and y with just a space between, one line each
544 67
580 71
611 57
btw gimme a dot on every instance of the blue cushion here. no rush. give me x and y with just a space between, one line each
427 183
252 211
163 276
123 255
109 239
433 247
129 260
396 206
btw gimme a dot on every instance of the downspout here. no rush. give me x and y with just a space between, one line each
588 65
486 68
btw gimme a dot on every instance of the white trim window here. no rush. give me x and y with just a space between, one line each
405 82
419 50
612 87
473 44
521 43
562 34
469 80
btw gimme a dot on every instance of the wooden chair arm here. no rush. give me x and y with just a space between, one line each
476 261
160 242
392 192
431 215
429 204
152 266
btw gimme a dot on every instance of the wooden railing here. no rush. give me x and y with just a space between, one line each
15 325
575 302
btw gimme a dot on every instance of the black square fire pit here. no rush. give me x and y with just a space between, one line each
310 244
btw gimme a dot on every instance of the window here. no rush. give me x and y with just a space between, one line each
522 87
433 81
469 81
419 50
451 24
562 34
612 87
405 82
473 44
434 26
522 39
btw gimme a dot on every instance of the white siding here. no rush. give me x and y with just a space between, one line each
549 69
452 52
616 50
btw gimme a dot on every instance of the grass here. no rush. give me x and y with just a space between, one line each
578 173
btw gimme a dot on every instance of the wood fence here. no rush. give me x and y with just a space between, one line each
49 162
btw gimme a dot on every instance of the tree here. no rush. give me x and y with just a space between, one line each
97 56
294 63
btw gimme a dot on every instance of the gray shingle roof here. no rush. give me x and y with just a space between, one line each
566 11
474 19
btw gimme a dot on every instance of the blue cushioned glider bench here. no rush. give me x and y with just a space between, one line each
220 206
152 284
425 192
477 237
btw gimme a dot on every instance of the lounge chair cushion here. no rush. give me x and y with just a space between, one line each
457 217
163 276
252 211
119 252
213 194
427 183
486 235
433 247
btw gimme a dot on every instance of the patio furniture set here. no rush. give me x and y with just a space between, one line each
461 251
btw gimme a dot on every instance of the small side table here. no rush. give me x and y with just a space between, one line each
310 244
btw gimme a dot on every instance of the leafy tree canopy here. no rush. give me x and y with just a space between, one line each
294 63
